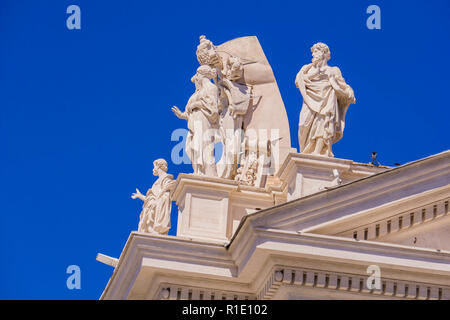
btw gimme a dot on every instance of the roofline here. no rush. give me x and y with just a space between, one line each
340 240
318 194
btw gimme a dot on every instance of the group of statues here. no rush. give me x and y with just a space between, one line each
215 111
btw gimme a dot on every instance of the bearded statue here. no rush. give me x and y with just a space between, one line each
326 98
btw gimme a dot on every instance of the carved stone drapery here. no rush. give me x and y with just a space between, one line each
326 98
155 214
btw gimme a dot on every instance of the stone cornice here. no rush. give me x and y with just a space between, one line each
255 247
162 247
170 291
207 183
298 279
426 207
238 262
313 161
381 188
439 257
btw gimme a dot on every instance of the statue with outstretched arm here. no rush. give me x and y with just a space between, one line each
202 117
155 214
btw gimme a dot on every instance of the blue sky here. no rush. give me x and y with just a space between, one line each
83 113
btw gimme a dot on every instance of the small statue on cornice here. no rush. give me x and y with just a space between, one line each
155 214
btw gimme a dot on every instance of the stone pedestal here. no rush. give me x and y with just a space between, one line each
211 208
305 174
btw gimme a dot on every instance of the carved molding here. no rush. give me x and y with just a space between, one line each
356 283
176 292
400 222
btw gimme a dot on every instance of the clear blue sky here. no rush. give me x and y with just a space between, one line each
83 113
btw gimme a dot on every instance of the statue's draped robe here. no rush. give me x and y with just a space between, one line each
234 104
237 95
323 111
203 114
155 215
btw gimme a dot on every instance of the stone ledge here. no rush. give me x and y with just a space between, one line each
305 174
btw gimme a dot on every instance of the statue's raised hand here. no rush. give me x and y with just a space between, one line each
138 194
178 113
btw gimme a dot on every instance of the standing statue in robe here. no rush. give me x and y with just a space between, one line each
234 102
326 98
202 115
155 214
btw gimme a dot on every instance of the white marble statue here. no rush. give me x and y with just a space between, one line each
242 100
155 214
326 98
207 54
219 105
234 102
202 115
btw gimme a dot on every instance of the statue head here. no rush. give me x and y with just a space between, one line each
159 164
234 68
203 50
203 71
320 52
207 72
207 54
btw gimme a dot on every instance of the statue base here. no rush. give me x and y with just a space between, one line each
211 208
305 174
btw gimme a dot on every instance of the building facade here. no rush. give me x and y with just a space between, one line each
278 224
